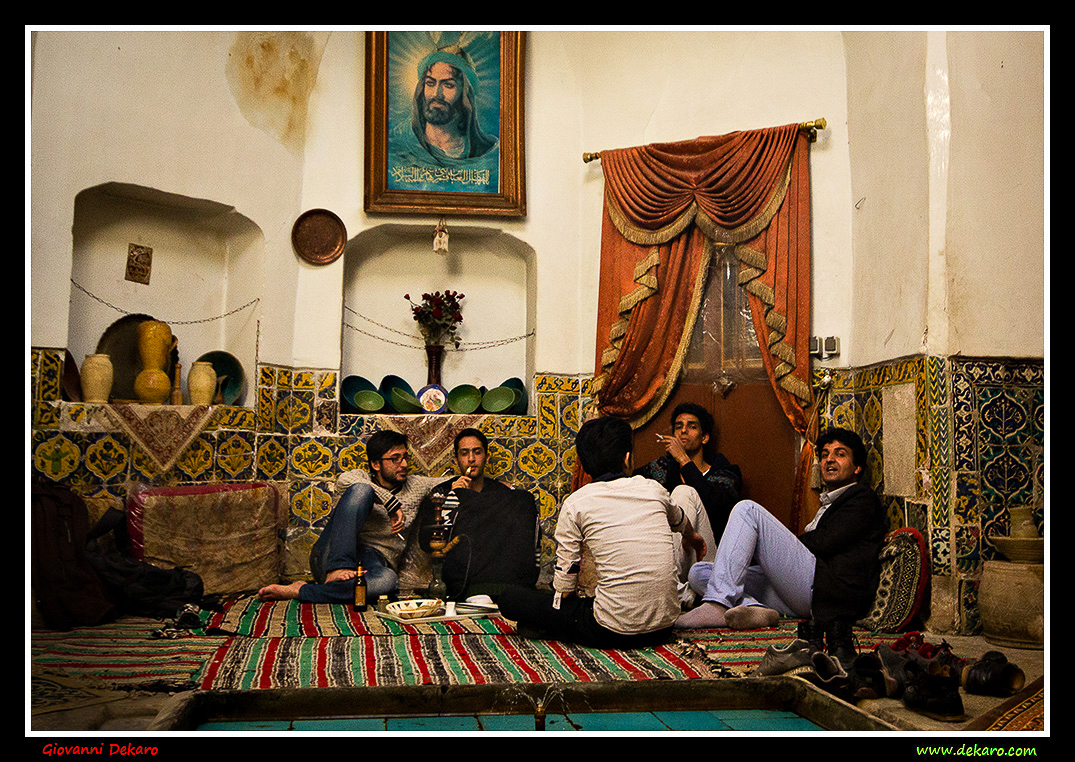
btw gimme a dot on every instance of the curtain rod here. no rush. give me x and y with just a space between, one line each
810 128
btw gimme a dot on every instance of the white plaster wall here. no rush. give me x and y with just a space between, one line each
151 109
157 109
996 194
948 177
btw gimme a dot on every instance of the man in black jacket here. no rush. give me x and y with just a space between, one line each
828 574
495 526
692 460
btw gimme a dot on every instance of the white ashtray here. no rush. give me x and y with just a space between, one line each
416 608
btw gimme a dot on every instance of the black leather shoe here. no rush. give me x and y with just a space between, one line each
993 675
812 633
840 643
932 689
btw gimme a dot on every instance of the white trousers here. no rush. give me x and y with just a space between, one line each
759 562
688 499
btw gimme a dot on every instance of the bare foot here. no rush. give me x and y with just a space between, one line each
338 574
706 616
280 592
751 617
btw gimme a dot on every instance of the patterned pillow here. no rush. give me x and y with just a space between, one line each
227 534
904 581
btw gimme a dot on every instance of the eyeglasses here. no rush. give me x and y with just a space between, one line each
396 459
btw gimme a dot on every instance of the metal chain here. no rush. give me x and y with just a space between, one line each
170 322
463 345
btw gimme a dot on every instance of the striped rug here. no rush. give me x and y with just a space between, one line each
124 654
740 651
465 659
254 618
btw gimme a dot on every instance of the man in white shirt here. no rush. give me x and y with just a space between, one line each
627 523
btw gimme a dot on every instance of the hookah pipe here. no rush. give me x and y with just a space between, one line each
440 546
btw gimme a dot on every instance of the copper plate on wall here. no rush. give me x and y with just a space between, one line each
319 236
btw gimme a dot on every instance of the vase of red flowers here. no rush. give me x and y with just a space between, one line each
438 316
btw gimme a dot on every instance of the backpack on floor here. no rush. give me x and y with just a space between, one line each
139 588
67 591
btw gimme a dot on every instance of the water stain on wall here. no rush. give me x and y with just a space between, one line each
271 76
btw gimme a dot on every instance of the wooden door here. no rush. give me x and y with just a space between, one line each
725 375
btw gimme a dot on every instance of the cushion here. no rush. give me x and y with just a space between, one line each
228 534
904 581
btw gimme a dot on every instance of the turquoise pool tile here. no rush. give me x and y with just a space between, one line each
341 724
439 724
523 722
240 727
617 721
691 720
764 719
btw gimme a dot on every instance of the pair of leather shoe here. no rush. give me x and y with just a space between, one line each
931 688
993 675
834 638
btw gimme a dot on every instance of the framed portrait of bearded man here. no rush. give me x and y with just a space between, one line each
444 123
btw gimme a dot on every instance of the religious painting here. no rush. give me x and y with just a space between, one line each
444 123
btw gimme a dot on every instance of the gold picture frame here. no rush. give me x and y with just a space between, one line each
403 174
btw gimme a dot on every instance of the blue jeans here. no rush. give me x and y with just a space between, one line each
339 548
759 562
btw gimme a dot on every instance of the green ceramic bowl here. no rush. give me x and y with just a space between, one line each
405 402
519 408
368 401
499 400
464 398
351 386
388 383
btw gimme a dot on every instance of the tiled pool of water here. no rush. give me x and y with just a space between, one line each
698 720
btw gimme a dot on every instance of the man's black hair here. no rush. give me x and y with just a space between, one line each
602 445
848 439
470 433
381 442
705 418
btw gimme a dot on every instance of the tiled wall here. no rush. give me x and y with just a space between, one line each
979 434
979 450
295 437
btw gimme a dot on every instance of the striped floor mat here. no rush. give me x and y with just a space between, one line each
465 659
124 654
740 651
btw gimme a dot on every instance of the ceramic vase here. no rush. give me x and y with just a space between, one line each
201 383
434 356
96 378
152 384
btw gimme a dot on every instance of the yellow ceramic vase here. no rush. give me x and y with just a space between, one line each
155 341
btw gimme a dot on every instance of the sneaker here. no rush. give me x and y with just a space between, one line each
892 664
827 673
791 659
932 689
993 675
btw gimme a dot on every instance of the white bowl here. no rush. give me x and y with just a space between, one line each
416 608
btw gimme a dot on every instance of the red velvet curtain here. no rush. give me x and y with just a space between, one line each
669 208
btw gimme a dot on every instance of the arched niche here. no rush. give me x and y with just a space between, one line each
207 261
495 271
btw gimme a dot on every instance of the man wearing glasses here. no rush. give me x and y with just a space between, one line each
367 527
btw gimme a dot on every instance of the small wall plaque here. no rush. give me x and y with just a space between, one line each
139 263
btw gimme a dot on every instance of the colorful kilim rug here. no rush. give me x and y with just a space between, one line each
254 618
739 652
249 663
286 644
124 654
